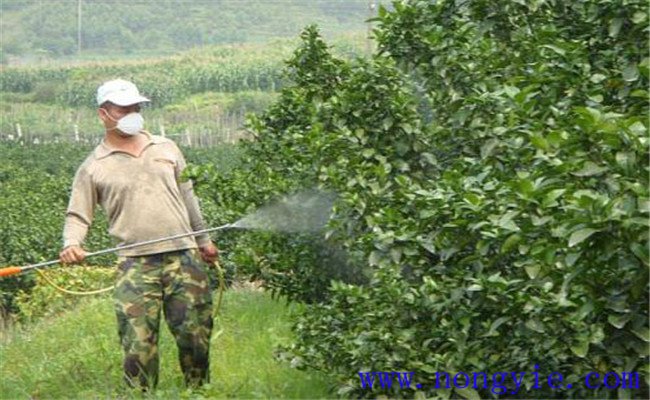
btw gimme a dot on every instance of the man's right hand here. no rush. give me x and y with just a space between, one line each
72 255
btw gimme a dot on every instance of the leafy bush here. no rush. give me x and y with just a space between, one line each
296 266
45 300
492 165
35 184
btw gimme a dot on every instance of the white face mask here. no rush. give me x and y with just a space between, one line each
130 124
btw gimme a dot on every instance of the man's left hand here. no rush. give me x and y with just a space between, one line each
209 253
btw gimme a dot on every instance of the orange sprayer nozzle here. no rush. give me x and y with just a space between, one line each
8 271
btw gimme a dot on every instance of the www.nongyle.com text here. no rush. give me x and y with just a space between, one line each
498 382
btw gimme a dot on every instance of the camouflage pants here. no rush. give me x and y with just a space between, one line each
178 283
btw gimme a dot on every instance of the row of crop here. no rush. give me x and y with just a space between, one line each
35 183
163 84
165 80
167 84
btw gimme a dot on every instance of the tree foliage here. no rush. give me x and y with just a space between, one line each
492 164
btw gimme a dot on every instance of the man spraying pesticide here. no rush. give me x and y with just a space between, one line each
135 177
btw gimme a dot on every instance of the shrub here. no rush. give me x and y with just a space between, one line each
45 300
492 165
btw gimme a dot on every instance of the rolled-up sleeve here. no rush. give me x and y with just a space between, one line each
81 207
191 201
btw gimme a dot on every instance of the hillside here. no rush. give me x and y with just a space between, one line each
38 30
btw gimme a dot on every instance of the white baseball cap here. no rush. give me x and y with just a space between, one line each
119 92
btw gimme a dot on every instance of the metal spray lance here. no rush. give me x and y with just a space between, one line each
8 271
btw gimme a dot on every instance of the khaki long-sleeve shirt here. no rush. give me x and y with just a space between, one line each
142 196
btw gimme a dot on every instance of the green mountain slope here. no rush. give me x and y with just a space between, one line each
50 28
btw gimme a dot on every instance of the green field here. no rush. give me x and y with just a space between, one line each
200 97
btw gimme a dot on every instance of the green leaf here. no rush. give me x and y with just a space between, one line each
419 395
374 258
556 138
581 348
429 158
639 17
428 246
511 91
588 116
495 326
590 194
540 142
532 270
534 325
571 258
638 128
408 128
597 334
590 169
618 320
468 393
368 153
580 236
396 254
626 160
475 288
642 333
387 123
510 243
506 222
549 255
597 78
631 73
488 147
584 311
525 187
556 49
551 196
472 199
640 251
615 26
596 98
402 180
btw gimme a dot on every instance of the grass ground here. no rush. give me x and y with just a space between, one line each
77 356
